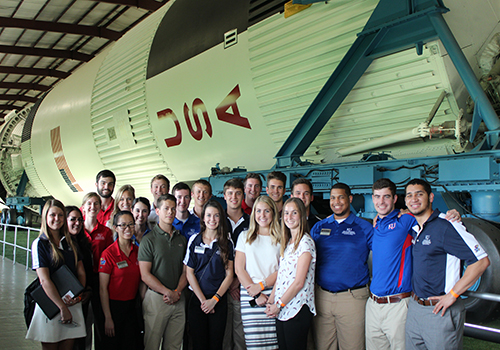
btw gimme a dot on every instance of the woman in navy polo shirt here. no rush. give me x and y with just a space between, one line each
52 249
119 278
209 261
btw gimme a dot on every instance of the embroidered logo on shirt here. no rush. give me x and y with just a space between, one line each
427 240
476 248
103 262
349 231
392 226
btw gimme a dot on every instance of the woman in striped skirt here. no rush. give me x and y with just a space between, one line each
256 264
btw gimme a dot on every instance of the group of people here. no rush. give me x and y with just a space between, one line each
264 273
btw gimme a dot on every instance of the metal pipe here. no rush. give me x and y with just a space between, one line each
481 332
381 141
483 296
488 114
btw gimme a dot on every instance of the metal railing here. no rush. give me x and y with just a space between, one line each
17 232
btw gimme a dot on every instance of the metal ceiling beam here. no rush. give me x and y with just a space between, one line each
150 5
33 51
58 27
9 97
34 71
24 86
10 107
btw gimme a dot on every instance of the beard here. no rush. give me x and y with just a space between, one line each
343 212
107 195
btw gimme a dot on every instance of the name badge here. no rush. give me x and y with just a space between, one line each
325 232
199 250
122 264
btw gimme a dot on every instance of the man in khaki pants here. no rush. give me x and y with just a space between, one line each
160 260
342 246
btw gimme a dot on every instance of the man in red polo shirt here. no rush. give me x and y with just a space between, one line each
253 186
105 184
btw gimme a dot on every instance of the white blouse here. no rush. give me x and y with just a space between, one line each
262 256
287 273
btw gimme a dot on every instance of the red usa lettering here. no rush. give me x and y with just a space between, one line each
227 111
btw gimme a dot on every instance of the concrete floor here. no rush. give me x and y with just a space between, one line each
13 280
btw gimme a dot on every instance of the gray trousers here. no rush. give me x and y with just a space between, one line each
425 330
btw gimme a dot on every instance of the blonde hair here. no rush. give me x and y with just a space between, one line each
57 256
274 227
91 195
303 226
119 194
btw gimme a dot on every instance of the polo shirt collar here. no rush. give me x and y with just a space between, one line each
61 241
203 244
161 232
434 215
192 218
393 214
348 220
116 247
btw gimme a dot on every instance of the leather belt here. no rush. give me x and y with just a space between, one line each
396 298
422 301
342 291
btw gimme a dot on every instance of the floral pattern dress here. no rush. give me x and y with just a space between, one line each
286 275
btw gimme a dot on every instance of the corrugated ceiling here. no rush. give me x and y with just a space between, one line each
44 41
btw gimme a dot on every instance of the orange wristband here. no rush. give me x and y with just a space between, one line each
215 298
262 286
452 292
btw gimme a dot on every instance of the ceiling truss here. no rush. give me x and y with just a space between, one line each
45 41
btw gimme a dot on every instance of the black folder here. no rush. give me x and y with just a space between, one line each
65 282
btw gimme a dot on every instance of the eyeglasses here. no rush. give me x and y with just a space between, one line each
76 219
124 226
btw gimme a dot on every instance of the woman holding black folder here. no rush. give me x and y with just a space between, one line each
52 249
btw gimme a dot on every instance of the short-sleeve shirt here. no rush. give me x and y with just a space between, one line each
391 254
124 271
189 227
101 237
41 255
238 227
437 251
104 215
343 250
262 256
206 261
165 252
287 273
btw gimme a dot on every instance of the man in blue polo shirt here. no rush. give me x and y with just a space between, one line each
342 245
391 269
436 313
188 224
